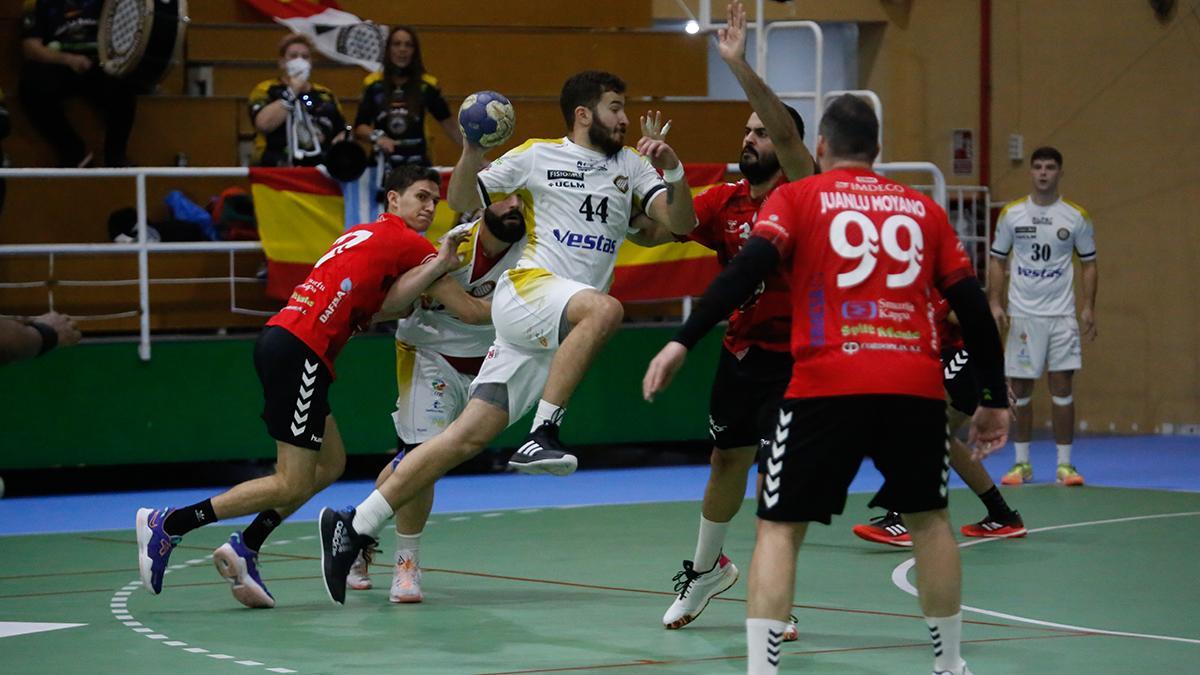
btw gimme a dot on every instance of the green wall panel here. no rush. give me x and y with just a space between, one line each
200 400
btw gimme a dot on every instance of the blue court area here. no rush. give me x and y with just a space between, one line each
1149 462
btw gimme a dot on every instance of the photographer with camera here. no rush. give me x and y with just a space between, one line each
394 102
296 119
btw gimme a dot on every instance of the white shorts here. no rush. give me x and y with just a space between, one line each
431 393
527 310
1037 343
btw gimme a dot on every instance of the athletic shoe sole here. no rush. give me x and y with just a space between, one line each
688 618
405 599
867 534
231 566
1003 533
321 537
557 467
143 539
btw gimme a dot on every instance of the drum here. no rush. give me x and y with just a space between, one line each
139 39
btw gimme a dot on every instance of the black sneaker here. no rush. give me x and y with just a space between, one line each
340 545
542 452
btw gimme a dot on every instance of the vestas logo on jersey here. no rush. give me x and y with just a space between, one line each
1039 274
586 242
343 291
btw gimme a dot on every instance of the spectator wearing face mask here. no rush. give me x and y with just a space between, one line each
396 100
296 120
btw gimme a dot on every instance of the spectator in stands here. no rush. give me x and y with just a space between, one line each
394 102
20 340
59 45
296 119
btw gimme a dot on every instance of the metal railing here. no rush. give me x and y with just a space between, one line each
143 248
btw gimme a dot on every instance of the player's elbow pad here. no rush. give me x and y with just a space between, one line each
982 338
732 287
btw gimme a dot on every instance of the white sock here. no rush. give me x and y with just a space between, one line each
1064 452
946 633
547 412
372 514
408 546
1022 452
763 640
709 544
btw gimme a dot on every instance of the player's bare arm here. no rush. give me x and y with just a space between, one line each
675 209
450 294
1087 314
463 192
411 284
793 156
995 279
649 233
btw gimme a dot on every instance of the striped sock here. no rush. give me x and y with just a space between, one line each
946 635
763 640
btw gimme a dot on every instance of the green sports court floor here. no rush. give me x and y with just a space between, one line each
1106 582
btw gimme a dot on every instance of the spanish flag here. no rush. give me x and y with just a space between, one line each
300 212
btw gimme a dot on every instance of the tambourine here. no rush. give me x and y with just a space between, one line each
139 39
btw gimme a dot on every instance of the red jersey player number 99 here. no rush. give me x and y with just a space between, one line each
867 250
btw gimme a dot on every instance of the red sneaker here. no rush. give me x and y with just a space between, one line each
887 529
1012 527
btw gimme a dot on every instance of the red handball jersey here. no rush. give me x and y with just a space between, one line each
726 213
346 287
948 331
864 256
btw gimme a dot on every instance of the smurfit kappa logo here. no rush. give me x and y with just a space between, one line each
343 291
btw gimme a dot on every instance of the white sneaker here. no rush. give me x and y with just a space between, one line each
965 671
791 633
406 578
697 589
359 577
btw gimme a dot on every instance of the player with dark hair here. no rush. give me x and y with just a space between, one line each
756 359
372 272
862 384
550 311
1043 233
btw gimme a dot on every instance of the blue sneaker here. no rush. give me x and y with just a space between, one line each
239 565
154 547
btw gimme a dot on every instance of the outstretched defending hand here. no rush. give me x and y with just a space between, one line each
68 332
661 155
989 431
652 126
731 40
662 369
448 259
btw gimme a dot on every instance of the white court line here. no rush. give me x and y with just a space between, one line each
900 579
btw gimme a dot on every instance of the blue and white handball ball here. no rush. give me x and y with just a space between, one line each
486 118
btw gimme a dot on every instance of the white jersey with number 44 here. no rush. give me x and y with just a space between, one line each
578 203
1042 240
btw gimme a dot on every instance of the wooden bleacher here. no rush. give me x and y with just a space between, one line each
522 49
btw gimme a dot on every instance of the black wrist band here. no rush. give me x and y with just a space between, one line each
49 336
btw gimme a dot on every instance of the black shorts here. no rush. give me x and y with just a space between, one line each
745 397
820 443
295 386
958 376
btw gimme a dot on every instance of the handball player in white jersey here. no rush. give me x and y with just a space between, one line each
551 312
1041 234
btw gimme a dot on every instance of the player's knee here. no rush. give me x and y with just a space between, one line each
732 460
